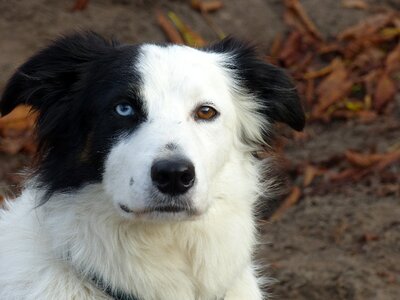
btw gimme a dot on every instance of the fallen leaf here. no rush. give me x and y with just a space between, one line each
80 5
388 159
369 59
361 159
291 50
332 89
20 113
276 45
190 37
310 172
329 48
354 106
388 189
359 4
385 91
207 6
389 33
349 175
367 27
369 237
214 27
367 116
17 130
300 12
13 145
393 60
303 65
289 201
169 29
301 136
324 71
310 91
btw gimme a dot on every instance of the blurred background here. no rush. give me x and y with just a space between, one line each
335 231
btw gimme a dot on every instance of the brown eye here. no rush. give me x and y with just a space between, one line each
205 113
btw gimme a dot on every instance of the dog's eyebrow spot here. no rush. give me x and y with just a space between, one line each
171 146
131 181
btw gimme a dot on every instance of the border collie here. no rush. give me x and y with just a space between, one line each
147 178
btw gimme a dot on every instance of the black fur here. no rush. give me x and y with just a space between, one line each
269 83
75 84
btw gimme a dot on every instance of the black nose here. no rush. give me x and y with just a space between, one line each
173 176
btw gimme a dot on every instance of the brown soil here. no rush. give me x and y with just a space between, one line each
340 242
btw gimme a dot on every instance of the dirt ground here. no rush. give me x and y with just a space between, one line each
340 243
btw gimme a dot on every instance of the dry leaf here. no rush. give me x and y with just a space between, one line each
13 145
168 28
217 30
207 6
276 46
310 172
299 11
388 159
359 4
351 174
385 91
16 130
291 50
366 164
310 91
80 5
20 113
332 89
369 237
324 71
300 136
368 60
393 60
190 37
289 201
367 116
362 160
367 27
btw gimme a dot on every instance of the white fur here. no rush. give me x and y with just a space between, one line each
46 252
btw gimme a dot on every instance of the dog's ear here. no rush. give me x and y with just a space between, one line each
53 75
269 84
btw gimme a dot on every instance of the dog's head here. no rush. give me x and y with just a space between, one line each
152 124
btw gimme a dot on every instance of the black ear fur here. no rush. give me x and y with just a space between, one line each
267 82
52 74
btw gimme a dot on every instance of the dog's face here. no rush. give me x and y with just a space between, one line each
152 124
164 166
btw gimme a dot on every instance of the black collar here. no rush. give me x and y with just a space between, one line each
114 294
109 291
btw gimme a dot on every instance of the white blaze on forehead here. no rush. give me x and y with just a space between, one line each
181 77
175 79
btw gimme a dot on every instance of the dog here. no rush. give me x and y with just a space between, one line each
147 181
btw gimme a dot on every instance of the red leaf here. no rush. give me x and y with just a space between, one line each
385 91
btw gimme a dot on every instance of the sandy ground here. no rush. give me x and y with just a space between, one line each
317 250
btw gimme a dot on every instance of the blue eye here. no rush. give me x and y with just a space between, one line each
124 110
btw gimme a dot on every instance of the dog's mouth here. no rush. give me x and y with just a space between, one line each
165 209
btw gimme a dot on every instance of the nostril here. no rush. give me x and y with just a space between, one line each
161 177
187 177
